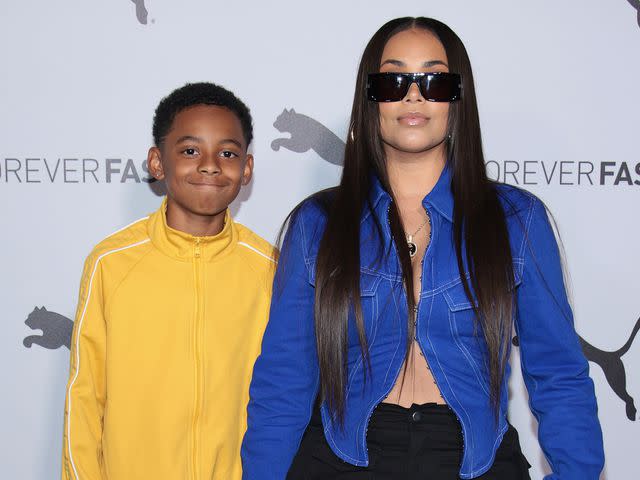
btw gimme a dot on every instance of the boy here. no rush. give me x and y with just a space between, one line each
171 311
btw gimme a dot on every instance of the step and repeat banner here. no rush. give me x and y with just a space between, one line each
558 89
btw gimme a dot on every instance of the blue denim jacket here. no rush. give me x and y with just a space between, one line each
286 375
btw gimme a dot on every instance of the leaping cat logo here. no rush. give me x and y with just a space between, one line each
56 329
308 134
141 11
612 366
636 4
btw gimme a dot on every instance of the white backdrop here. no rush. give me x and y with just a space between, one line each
558 90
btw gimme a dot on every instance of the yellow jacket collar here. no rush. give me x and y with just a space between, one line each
185 247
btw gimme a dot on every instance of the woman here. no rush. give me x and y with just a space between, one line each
397 291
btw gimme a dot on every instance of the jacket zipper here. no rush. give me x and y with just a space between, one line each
197 264
415 325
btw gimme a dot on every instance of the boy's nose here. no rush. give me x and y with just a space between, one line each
209 165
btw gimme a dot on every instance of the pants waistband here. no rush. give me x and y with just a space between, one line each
428 413
388 412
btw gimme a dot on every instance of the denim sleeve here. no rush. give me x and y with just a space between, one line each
286 375
555 371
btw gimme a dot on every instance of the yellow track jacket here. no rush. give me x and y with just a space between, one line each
167 330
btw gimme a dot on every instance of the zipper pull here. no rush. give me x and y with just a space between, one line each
197 248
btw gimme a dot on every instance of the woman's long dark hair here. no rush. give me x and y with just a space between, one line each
478 224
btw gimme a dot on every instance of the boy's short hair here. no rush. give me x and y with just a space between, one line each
192 94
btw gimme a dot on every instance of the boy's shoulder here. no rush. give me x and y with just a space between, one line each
257 249
132 235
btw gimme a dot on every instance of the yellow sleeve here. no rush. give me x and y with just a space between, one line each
86 389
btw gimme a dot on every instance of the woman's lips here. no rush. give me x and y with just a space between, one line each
413 118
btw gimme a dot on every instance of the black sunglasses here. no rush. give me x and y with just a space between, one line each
394 86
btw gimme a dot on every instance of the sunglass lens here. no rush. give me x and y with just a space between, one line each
384 87
441 87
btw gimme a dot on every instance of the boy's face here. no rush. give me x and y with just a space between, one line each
204 162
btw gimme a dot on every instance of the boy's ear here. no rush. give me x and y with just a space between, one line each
248 170
154 163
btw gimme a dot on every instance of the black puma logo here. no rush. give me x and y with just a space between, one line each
56 329
636 4
306 134
141 11
612 366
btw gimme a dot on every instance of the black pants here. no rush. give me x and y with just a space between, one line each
422 442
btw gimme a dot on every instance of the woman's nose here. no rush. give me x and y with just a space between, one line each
413 94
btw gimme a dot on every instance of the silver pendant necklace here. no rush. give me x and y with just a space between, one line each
413 248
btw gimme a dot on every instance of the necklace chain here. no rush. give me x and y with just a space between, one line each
413 248
411 235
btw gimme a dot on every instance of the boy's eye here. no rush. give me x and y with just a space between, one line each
228 154
189 151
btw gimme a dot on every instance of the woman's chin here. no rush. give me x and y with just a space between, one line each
417 146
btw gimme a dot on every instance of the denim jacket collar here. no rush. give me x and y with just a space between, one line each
440 197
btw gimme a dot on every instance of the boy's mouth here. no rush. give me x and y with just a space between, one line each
209 184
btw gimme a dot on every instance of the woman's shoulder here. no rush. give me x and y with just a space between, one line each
313 209
516 201
527 218
309 217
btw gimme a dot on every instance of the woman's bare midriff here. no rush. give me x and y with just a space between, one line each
415 383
